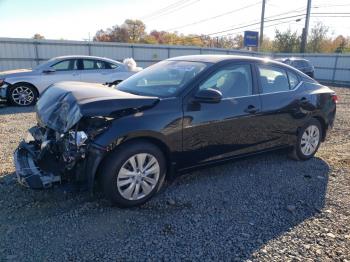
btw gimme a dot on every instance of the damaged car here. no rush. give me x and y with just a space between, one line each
176 115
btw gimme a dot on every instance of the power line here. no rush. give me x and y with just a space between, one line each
173 10
248 25
273 16
166 8
214 17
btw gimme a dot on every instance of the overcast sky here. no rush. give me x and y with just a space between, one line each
76 19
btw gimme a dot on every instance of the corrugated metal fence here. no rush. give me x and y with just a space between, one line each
27 53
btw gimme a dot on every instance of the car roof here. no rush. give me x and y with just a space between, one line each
218 58
292 59
86 57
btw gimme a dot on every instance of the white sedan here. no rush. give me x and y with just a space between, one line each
22 87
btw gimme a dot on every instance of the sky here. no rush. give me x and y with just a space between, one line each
80 19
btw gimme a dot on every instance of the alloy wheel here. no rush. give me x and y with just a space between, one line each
138 176
310 140
23 95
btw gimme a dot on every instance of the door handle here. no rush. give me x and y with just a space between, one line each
251 109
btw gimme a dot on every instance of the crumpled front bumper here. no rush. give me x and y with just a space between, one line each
27 171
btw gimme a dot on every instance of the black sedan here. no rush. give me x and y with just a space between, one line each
301 64
176 115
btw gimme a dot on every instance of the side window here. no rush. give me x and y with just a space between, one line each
110 65
231 81
66 65
273 79
89 64
293 80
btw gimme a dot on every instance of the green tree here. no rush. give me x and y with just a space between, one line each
317 38
286 42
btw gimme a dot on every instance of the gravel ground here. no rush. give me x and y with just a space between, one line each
265 208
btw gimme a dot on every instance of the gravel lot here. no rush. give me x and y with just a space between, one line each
266 208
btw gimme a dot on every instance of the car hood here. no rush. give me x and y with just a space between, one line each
63 104
15 73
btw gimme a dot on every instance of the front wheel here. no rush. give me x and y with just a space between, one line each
308 141
22 95
133 173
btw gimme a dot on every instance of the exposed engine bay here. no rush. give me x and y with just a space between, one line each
47 156
62 146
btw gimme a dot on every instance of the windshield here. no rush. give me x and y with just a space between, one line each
164 79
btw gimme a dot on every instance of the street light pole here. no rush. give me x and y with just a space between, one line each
262 23
306 28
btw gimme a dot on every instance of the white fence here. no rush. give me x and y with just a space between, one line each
27 53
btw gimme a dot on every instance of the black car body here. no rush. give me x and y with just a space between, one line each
82 127
301 64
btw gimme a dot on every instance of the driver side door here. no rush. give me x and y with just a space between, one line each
215 131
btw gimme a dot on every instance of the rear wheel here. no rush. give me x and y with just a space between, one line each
308 141
22 95
133 173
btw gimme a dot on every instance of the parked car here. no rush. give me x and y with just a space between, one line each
301 64
176 115
23 87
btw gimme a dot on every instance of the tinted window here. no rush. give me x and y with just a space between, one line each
65 65
273 79
300 64
293 80
232 81
110 65
164 79
90 64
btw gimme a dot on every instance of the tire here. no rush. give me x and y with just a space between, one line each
121 175
22 95
308 141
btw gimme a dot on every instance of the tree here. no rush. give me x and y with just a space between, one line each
135 29
317 38
237 42
286 42
38 36
340 43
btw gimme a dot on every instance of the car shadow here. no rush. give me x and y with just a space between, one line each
227 212
9 110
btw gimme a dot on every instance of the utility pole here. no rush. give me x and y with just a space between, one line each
262 23
306 28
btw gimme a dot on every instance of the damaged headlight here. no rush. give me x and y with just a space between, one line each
78 138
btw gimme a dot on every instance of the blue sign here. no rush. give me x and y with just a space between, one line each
251 38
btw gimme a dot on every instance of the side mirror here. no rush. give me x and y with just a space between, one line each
49 70
208 96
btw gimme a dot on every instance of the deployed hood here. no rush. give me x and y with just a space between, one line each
17 72
63 104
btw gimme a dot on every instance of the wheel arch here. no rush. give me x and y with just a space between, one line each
149 139
22 83
323 124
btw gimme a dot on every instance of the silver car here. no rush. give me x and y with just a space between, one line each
22 87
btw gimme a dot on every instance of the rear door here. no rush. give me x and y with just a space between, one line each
213 131
280 101
93 71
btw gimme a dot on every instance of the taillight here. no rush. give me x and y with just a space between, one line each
335 98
